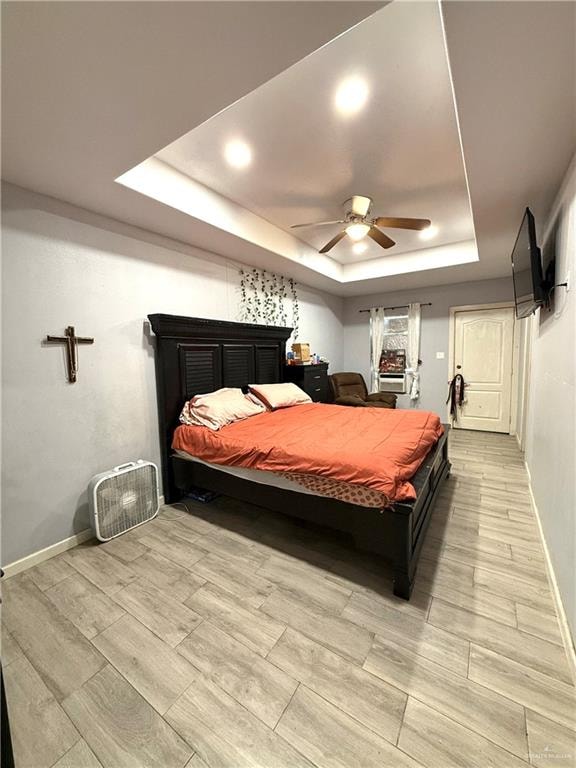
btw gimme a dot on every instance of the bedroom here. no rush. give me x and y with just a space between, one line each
155 159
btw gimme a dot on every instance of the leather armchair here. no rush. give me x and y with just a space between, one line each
350 389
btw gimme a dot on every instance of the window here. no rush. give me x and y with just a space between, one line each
394 349
394 344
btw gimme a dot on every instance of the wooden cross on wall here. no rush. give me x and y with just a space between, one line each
71 341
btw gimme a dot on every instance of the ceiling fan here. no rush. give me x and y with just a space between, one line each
358 225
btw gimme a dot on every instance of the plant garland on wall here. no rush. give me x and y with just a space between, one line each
264 296
295 308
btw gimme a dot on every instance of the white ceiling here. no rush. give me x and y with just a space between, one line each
92 89
514 71
402 149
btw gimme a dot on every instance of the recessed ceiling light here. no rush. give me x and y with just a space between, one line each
360 248
357 231
351 95
429 233
238 154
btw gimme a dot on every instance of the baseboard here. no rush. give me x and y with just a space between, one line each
51 551
45 554
567 638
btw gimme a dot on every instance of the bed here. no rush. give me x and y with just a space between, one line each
195 356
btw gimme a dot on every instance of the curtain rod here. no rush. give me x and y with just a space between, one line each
400 306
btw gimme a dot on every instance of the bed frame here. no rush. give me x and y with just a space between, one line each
195 355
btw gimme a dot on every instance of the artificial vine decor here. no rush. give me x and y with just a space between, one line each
264 298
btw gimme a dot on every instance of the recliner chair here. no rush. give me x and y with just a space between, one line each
350 389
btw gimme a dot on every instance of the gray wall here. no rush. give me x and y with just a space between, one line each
551 432
434 331
64 266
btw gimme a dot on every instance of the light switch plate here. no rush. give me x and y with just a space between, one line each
439 355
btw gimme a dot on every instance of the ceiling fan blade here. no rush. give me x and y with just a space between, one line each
333 242
317 224
396 223
380 237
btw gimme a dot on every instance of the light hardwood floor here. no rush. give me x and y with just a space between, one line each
233 637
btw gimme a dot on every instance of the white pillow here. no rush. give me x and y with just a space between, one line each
217 409
280 395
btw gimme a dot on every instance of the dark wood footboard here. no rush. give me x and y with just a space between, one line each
410 521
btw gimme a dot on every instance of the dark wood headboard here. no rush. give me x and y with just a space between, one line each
195 355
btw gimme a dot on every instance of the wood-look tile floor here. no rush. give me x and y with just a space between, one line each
232 637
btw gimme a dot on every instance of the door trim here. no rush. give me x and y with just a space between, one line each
515 355
524 373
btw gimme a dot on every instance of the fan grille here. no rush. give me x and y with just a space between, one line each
125 500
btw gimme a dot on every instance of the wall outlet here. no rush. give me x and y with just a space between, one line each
439 355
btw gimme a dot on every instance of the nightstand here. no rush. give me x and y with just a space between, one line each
313 379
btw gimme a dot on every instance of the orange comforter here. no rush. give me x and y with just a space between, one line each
374 447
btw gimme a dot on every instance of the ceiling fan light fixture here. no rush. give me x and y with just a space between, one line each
357 231
356 213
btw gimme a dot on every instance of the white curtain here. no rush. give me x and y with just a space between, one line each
377 328
413 351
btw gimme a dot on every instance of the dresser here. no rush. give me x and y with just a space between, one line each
313 379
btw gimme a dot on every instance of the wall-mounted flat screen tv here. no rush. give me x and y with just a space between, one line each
529 288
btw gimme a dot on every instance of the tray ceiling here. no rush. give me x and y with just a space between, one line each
401 148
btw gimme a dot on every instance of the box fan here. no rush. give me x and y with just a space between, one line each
123 498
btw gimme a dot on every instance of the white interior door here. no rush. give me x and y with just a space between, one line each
483 343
